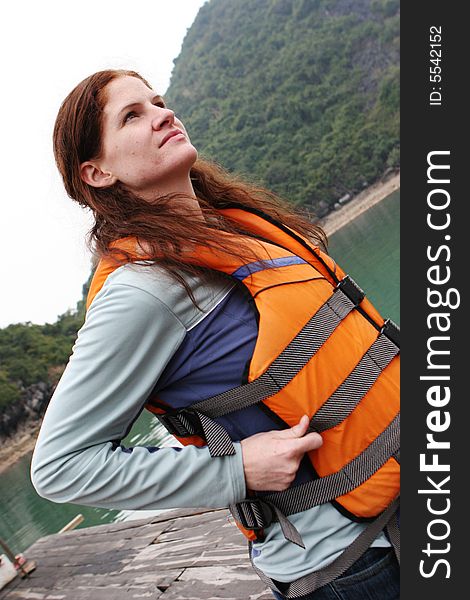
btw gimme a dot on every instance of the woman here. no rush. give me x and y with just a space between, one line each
169 326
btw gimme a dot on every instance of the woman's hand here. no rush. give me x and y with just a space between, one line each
271 459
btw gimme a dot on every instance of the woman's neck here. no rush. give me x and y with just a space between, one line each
185 198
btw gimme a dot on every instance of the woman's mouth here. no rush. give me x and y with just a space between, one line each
171 134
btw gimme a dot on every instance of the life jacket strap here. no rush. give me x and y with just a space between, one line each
349 287
252 513
288 364
392 331
393 531
188 422
217 438
353 389
199 418
257 514
350 476
311 582
338 406
181 423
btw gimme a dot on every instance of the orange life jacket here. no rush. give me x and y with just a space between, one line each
322 350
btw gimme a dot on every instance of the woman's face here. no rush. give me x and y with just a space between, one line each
143 144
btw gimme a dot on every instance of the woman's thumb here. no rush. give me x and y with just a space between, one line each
300 429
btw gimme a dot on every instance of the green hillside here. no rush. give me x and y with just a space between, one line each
301 95
32 358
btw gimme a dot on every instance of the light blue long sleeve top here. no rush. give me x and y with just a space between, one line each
142 333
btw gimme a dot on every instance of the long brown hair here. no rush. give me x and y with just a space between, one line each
119 213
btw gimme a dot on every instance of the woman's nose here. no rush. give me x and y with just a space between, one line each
162 117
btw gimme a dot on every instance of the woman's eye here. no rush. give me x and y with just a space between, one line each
129 116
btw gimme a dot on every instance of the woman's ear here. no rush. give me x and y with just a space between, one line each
92 174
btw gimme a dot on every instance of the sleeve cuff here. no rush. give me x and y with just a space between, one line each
238 474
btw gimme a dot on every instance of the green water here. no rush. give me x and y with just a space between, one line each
25 517
367 248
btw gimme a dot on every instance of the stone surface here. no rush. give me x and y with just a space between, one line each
184 554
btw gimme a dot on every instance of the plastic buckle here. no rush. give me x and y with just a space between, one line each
391 331
350 288
173 423
262 511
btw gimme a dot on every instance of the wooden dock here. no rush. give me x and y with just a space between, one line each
178 555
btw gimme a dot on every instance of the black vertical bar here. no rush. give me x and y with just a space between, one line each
434 252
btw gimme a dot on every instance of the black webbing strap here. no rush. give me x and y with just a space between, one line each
182 423
260 512
311 582
288 364
187 422
393 531
348 395
352 475
198 419
252 513
392 331
217 438
256 514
